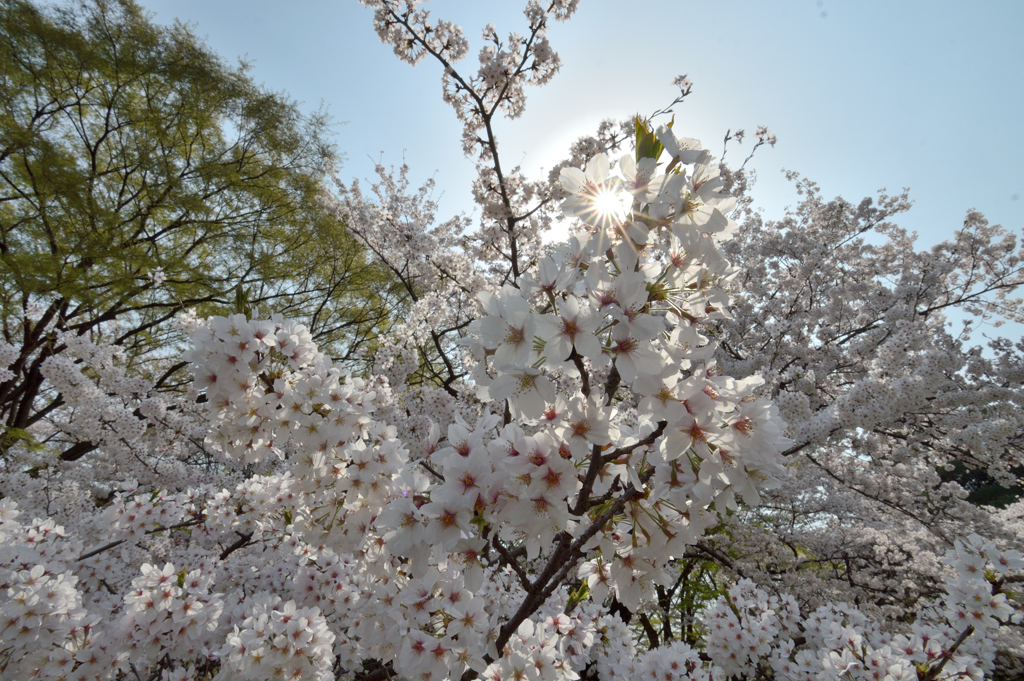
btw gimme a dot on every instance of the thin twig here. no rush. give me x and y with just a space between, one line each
187 523
512 562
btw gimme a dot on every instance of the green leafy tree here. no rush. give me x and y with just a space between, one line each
140 175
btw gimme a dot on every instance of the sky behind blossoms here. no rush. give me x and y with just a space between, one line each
861 95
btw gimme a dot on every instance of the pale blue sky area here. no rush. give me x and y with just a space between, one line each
862 94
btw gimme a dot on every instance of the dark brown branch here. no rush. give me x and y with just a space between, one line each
577 359
513 563
187 523
597 462
243 541
948 655
652 635
562 561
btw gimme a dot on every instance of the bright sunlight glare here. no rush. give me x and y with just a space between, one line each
611 204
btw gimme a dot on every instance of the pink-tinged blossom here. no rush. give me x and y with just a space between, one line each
633 356
509 327
595 196
573 325
527 390
640 177
281 517
585 425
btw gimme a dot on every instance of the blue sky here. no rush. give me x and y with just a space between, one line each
861 94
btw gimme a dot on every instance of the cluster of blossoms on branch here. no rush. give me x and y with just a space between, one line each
375 546
550 441
906 435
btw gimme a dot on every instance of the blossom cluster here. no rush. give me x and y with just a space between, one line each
906 434
560 451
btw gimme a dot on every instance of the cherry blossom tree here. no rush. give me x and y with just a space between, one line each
555 447
904 427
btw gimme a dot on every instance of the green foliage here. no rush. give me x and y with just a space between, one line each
128 150
647 143
983 489
16 436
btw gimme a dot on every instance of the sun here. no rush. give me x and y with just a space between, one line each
610 204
